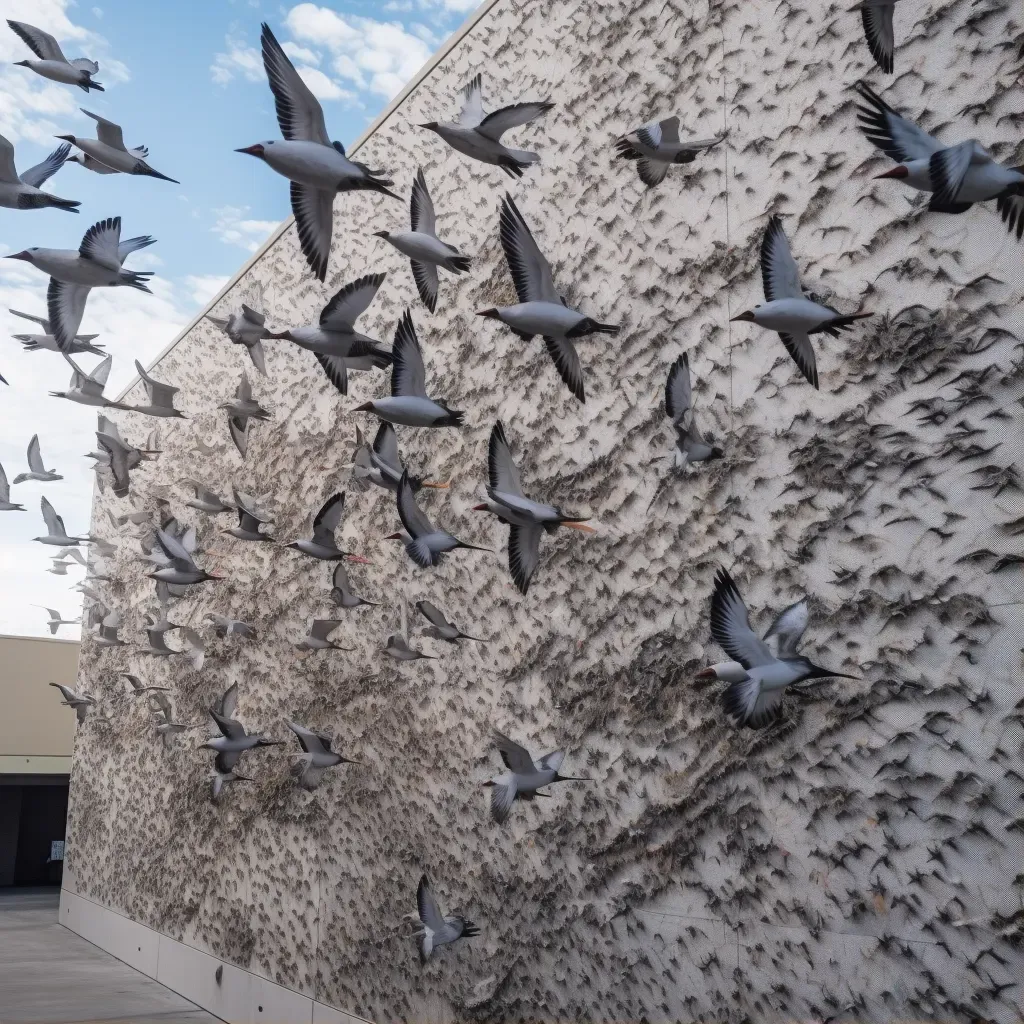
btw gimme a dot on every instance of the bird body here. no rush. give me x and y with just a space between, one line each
425 544
36 469
247 328
233 741
94 165
317 755
56 536
52 63
440 628
207 501
109 149
23 191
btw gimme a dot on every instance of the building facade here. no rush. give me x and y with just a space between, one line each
860 859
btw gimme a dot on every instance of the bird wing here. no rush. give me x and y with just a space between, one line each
336 370
426 904
412 516
239 430
230 727
503 796
530 271
652 172
250 314
678 398
408 377
314 219
788 628
567 362
244 390
948 168
746 703
65 304
553 761
298 111
495 124
52 612
45 169
159 394
41 43
730 625
45 324
5 495
515 756
229 701
54 523
894 135
322 628
433 614
472 112
310 741
130 245
258 357
84 64
106 131
173 548
8 172
35 461
425 276
422 206
328 519
100 242
779 272
523 554
339 581
385 447
802 351
100 373
349 303
877 20
246 506
502 472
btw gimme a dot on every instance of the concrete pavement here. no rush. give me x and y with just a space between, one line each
49 975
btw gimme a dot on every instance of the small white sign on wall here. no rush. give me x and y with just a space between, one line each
56 849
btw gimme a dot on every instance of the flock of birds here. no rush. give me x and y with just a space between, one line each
761 668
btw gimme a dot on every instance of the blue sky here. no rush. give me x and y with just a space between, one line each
184 78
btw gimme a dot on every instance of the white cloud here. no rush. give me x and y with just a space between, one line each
300 53
380 56
97 12
322 87
203 287
233 227
239 60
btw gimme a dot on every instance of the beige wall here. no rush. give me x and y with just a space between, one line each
36 733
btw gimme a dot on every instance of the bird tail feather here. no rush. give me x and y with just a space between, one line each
136 279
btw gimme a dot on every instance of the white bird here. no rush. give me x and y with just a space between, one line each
97 263
690 444
322 544
46 340
224 626
52 63
6 505
56 535
106 634
161 397
233 742
317 755
397 646
335 342
656 147
241 409
541 308
436 929
523 778
786 310
36 469
247 328
409 404
381 464
24 191
109 149
56 620
526 519
316 167
478 135
60 567
81 702
440 628
92 164
877 18
249 520
316 638
180 570
425 250
425 543
87 388
756 700
207 501
341 590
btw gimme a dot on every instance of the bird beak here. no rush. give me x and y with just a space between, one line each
66 138
480 508
214 576
286 335
491 314
254 150
706 673
746 317
437 486
365 407
380 234
568 778
486 783
899 171
430 126
23 255
359 559
393 536
580 526
21 63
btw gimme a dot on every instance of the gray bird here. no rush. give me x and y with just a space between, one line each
249 520
46 341
52 63
656 147
322 544
139 687
398 648
479 136
180 570
36 469
246 328
690 444
87 388
207 501
523 778
221 779
57 620
81 702
57 535
341 591
440 628
436 929
425 250
23 191
109 148
161 397
381 464
316 639
157 644
317 755
224 626
243 408
106 634
233 742
6 505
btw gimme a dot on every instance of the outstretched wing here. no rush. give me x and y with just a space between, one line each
45 169
779 272
502 472
495 124
298 111
515 756
730 625
530 271
408 376
785 632
472 112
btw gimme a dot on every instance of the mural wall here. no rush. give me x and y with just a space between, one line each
860 859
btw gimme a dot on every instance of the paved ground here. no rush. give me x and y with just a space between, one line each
49 975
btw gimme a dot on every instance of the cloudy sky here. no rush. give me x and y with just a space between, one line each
183 77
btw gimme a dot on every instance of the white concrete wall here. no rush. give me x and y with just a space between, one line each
861 854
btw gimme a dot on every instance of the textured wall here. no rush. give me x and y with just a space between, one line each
862 857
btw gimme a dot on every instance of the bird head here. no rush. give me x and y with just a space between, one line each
66 138
26 254
431 126
490 314
899 171
257 150
747 317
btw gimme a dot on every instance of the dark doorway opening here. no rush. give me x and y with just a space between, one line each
33 818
